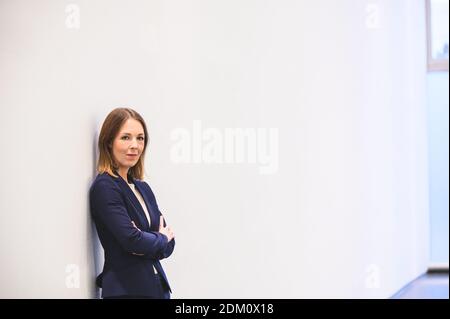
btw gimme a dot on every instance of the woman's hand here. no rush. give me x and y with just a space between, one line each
165 230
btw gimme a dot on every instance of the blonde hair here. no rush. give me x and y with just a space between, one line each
110 129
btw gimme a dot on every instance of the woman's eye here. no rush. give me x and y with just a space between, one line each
139 138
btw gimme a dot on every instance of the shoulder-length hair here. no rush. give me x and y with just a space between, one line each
110 128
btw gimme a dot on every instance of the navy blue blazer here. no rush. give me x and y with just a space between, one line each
130 253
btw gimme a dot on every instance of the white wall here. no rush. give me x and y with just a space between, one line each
437 104
345 215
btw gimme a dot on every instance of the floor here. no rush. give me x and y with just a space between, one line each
428 286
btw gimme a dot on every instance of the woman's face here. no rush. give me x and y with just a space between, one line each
129 144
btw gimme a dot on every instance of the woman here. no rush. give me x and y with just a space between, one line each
130 226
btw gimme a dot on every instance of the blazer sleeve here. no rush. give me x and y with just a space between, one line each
170 246
165 253
109 208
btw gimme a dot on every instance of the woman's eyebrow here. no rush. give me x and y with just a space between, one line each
125 133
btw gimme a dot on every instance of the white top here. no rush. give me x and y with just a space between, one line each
144 207
141 200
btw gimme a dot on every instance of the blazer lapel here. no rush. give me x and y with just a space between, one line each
151 211
134 200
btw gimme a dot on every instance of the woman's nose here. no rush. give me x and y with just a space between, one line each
134 143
